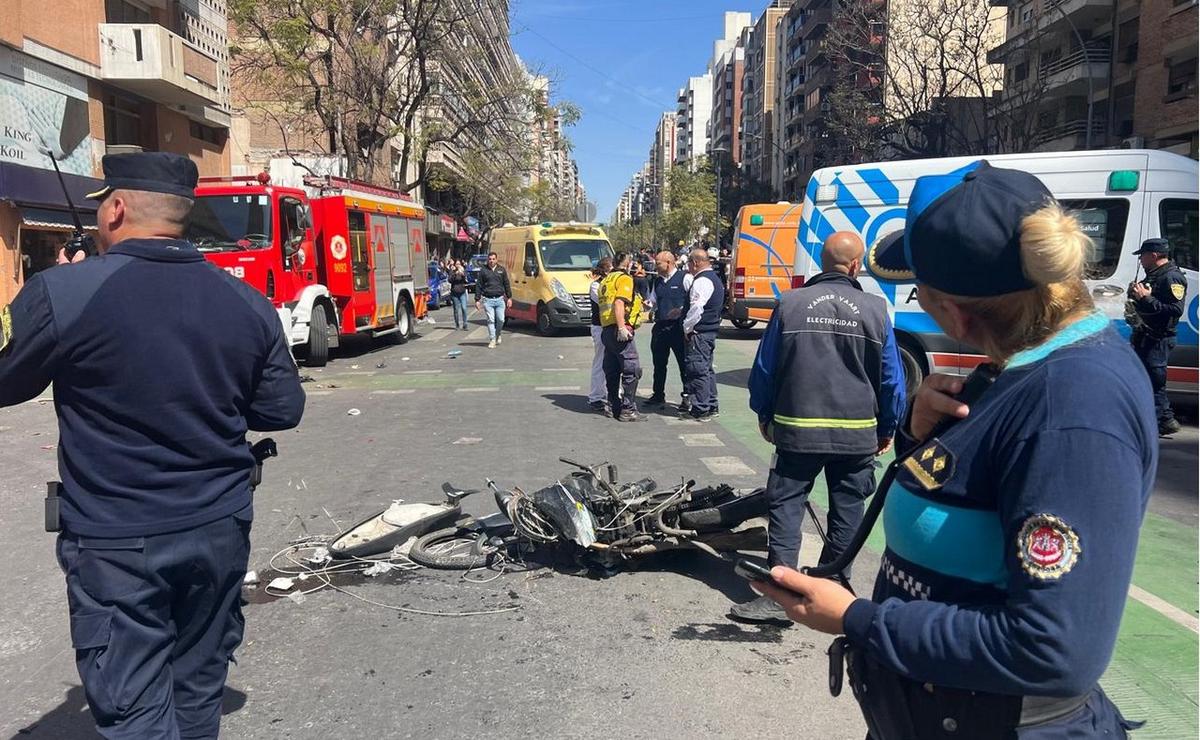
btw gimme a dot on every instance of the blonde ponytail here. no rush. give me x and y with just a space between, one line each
1053 246
1053 258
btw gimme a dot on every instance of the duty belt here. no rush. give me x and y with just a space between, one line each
896 707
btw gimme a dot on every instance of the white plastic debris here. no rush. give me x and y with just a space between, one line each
251 578
378 568
354 367
405 359
302 576
353 412
430 320
401 550
281 584
560 357
297 597
319 557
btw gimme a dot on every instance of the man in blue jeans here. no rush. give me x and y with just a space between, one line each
493 294
828 390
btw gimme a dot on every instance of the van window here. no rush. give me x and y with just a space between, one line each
530 256
573 254
1178 222
1103 219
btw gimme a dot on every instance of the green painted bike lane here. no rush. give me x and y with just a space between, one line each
1153 673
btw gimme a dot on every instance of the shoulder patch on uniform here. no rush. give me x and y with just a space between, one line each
932 465
6 329
1047 546
1179 290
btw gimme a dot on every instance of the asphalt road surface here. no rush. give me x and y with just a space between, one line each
647 652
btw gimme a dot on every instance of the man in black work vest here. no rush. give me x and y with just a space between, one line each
702 319
669 300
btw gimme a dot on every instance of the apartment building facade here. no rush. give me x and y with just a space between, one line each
758 129
692 119
727 68
1091 74
95 76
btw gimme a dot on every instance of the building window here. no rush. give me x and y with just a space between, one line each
1181 79
123 11
122 120
207 134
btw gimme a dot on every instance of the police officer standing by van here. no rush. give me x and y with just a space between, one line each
160 364
1157 302
828 389
701 321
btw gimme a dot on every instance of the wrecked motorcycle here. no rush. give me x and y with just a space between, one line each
603 519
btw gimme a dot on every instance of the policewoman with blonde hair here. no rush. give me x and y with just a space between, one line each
1010 535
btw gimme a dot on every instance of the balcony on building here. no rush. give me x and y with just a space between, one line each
1069 73
150 60
1068 135
1046 16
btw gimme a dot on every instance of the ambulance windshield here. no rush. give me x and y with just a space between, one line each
230 222
573 254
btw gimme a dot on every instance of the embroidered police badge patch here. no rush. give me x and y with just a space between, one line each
1047 546
932 465
5 327
1178 290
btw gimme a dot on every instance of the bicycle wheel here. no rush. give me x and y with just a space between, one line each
453 548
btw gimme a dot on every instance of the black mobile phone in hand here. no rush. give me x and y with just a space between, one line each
752 570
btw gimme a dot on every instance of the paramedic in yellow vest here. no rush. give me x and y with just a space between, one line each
620 313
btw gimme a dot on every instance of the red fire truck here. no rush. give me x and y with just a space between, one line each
335 256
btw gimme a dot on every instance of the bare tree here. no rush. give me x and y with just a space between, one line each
913 79
358 78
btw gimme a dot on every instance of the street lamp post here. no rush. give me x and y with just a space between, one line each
717 225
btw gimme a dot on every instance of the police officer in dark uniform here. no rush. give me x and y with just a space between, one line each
160 364
1011 534
1157 304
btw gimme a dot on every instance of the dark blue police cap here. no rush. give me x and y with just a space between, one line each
154 172
1154 246
962 232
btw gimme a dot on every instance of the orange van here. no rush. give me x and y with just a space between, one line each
764 252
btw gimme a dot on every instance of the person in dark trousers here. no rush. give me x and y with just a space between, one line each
598 393
493 294
828 389
702 319
620 313
1011 533
160 364
641 281
458 294
1157 305
669 301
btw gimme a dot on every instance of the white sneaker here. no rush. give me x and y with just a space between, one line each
492 344
499 339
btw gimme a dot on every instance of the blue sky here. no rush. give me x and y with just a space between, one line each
622 62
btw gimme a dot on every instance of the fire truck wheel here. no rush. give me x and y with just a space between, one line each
404 321
318 338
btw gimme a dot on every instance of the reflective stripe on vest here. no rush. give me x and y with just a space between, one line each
792 421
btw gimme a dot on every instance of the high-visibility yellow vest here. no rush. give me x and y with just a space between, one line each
616 285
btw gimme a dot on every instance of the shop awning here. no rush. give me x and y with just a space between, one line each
47 218
462 236
30 186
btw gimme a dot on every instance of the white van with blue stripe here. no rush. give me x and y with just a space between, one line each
1122 197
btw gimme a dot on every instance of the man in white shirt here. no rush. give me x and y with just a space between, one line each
706 301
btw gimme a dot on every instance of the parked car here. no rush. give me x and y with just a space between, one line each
473 266
439 285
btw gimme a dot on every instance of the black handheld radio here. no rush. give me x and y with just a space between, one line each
79 241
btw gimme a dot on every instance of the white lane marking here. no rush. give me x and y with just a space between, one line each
479 333
557 388
491 389
679 421
467 441
1170 611
493 370
701 440
421 372
400 392
358 372
561 370
727 466
310 394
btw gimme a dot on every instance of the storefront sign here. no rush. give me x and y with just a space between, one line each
447 225
43 107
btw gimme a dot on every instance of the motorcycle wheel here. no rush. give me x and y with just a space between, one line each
453 548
